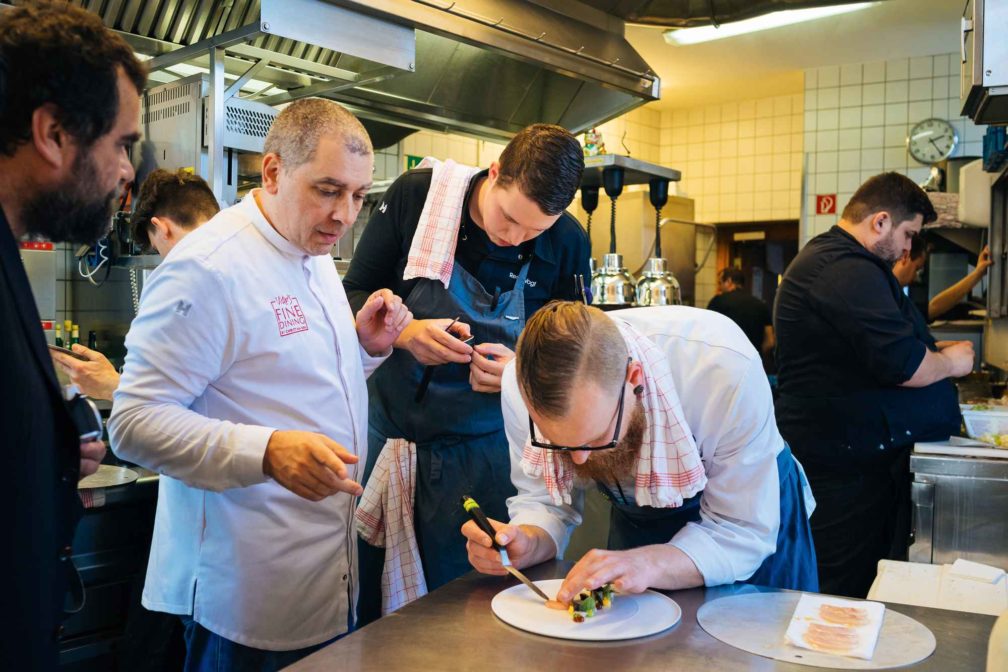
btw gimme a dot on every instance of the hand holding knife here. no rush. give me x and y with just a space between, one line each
477 515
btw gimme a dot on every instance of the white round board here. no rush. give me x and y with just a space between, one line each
756 622
629 617
107 476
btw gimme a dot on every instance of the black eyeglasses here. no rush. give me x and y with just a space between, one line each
612 444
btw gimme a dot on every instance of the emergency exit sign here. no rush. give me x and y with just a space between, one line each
825 204
412 161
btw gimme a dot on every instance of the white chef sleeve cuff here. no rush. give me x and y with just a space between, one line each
371 363
710 559
248 451
554 527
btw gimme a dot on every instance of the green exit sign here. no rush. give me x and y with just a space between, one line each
412 161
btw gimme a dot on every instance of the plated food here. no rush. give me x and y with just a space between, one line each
590 602
631 616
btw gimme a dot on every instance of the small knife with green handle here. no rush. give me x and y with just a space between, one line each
476 513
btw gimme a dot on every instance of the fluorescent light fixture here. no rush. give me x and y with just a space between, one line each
786 17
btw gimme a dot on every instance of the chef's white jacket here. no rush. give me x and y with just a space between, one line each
240 333
727 404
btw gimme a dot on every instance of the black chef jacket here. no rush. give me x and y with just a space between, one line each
847 337
745 310
380 256
41 452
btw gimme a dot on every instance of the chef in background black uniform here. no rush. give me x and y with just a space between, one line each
72 113
860 380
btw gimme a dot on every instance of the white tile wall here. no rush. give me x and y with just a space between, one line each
741 161
463 149
861 131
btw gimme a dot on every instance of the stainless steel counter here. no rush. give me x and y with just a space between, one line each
960 506
454 629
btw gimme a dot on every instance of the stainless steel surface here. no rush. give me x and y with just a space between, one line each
635 171
687 13
612 285
922 496
453 628
182 130
960 505
40 266
983 94
996 328
556 61
138 261
524 579
412 63
756 622
658 286
215 124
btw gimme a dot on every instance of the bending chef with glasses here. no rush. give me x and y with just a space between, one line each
668 413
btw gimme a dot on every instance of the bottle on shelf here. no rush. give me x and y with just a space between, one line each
59 335
92 340
76 334
67 329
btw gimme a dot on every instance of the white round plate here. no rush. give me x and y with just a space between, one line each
108 476
629 617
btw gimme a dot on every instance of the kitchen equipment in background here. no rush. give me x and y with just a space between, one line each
612 285
959 504
589 201
658 286
634 227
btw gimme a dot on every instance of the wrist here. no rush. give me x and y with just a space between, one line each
405 337
267 468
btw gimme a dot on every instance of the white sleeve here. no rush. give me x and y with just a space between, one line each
740 507
183 340
533 504
370 363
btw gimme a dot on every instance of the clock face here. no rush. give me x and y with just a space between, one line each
932 140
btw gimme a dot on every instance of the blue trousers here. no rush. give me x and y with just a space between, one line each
208 652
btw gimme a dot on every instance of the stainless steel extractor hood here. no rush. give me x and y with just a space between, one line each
491 67
480 67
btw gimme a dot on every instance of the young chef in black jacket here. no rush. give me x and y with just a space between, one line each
515 249
71 112
861 380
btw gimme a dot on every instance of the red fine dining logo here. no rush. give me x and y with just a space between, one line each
290 319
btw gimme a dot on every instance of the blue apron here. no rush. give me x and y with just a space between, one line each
459 433
792 566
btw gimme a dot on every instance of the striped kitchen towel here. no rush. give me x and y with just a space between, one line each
432 253
384 518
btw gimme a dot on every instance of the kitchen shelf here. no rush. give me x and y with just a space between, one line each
635 171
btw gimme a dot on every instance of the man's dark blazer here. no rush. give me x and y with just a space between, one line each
38 476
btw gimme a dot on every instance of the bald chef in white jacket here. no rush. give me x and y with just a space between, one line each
244 387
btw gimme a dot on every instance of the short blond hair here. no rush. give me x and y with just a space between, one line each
564 344
297 130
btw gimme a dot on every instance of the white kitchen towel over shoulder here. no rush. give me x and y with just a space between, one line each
669 469
432 253
385 519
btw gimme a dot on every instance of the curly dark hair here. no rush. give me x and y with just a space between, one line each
183 197
546 162
63 55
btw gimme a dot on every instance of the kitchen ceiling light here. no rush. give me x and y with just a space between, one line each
787 17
